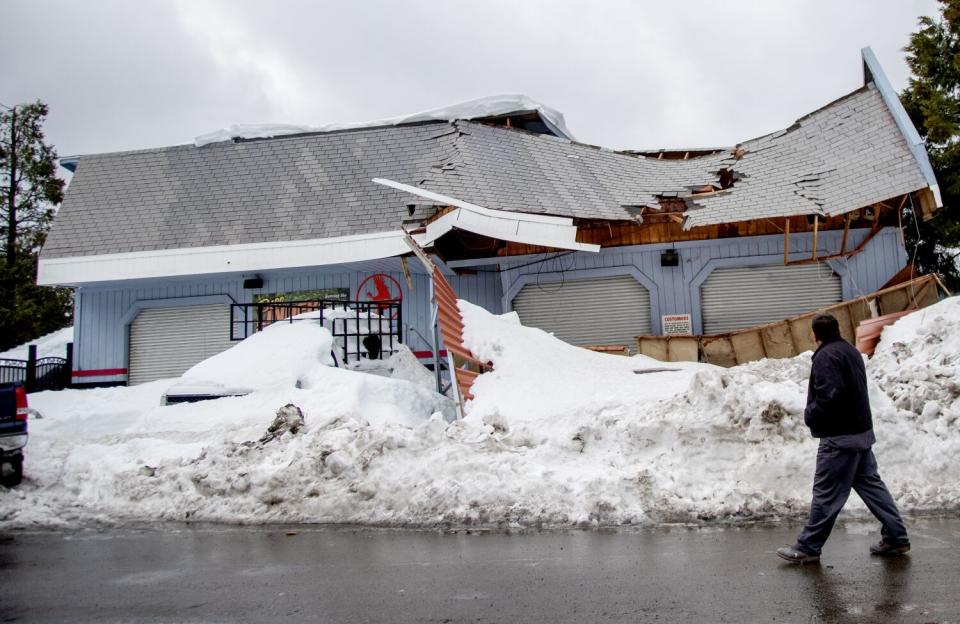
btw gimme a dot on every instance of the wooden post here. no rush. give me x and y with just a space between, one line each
876 219
418 251
846 233
786 242
816 228
69 366
940 284
30 382
406 272
903 238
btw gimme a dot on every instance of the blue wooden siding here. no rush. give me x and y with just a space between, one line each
103 312
676 290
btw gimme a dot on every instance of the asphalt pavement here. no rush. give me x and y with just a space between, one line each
178 573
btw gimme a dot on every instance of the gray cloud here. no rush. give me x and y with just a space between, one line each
128 75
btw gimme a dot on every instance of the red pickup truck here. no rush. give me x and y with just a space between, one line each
13 432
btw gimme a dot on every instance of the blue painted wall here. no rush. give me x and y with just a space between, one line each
676 290
103 312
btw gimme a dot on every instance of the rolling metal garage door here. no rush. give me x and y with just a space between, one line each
737 298
602 311
165 342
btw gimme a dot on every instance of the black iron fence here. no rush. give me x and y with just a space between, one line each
13 371
361 329
38 374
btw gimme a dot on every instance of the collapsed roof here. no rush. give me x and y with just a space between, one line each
848 155
852 153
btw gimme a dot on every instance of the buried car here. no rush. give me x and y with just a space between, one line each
13 432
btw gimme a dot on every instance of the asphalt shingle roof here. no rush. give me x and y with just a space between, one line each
290 188
847 155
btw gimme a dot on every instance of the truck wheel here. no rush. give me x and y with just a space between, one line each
15 474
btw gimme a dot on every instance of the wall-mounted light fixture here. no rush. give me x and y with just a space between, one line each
253 283
670 258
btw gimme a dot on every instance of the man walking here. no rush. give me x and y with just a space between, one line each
838 412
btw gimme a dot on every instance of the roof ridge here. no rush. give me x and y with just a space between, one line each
186 146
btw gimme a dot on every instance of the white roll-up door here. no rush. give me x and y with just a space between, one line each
601 311
742 297
165 342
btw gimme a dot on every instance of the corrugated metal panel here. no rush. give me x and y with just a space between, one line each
741 297
165 342
602 311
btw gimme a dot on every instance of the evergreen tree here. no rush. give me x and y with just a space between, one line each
933 101
29 191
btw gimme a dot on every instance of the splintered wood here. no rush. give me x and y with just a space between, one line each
792 336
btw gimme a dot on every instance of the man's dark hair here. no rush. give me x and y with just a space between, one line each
825 326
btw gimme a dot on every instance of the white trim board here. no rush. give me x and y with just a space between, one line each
249 257
517 227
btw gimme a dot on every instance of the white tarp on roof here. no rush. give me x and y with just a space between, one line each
491 106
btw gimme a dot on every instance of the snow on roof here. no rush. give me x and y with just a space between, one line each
490 106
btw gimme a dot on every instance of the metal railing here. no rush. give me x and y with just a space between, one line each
361 329
13 371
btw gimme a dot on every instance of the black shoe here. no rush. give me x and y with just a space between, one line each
884 548
794 555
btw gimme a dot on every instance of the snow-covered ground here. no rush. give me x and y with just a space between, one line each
557 436
53 344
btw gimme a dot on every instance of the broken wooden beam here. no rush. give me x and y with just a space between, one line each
786 241
816 232
846 233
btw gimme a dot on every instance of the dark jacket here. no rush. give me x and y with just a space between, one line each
837 400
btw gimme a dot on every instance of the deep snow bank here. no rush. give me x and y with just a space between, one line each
116 453
277 356
556 436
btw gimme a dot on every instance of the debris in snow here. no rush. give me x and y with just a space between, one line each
492 106
917 363
289 418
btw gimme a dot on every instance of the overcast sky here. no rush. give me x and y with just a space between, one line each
125 74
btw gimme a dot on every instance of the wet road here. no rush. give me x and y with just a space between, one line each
218 574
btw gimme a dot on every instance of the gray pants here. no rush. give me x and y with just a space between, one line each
839 470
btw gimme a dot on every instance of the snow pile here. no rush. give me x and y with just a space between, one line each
556 436
117 453
53 344
401 365
918 366
492 106
277 356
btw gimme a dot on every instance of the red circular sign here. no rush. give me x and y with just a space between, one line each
380 287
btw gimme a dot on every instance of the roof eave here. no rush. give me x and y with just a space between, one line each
873 72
